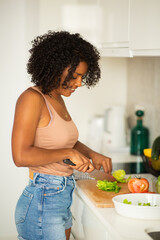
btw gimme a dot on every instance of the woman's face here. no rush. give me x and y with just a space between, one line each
73 83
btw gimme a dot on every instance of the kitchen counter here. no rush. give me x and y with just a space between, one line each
121 157
124 160
119 227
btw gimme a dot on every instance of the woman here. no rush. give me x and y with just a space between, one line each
44 134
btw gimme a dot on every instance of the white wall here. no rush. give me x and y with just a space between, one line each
85 103
111 90
13 78
144 78
20 21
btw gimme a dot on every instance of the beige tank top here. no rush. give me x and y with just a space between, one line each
57 134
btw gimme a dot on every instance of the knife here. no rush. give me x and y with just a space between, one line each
98 175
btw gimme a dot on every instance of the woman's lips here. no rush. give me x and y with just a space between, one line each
71 89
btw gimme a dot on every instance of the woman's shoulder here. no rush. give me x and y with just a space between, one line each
30 96
31 93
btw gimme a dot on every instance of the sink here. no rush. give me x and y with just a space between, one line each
154 235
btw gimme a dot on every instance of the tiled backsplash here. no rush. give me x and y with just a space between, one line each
144 89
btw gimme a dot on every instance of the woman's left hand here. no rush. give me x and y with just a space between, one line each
100 160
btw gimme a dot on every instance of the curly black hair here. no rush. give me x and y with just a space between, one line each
52 52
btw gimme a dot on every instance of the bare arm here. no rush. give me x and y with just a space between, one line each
28 114
97 158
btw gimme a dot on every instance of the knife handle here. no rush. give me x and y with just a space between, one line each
69 162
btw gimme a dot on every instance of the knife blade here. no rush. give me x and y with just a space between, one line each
97 174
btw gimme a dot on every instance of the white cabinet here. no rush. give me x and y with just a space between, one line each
77 212
81 16
122 28
93 228
114 23
86 226
129 27
114 28
70 15
72 237
145 27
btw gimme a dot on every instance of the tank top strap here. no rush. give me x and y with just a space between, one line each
49 106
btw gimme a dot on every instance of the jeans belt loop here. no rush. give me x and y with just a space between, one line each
65 181
74 180
34 178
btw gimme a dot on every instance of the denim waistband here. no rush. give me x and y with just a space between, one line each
46 178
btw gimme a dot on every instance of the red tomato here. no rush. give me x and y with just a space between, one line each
138 185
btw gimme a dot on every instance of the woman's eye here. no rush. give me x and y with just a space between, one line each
84 77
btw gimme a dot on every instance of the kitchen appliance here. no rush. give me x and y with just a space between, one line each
114 135
97 174
136 211
95 133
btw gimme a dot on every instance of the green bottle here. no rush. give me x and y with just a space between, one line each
139 136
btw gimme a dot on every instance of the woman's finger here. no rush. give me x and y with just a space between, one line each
107 165
90 168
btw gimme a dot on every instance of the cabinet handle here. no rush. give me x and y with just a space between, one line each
73 217
107 236
73 236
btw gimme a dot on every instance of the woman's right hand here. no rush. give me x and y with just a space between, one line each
83 164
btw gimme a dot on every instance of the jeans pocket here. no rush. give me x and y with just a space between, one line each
55 188
23 206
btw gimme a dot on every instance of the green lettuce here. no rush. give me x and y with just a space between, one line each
126 201
108 186
120 176
139 203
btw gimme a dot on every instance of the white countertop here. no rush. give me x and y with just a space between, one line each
124 157
122 228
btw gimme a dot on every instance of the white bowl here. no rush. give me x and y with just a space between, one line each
134 210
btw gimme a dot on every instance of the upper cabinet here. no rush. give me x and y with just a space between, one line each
129 27
113 19
80 16
76 16
145 27
122 28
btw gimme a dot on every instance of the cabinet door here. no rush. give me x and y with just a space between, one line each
114 23
85 222
77 210
92 227
145 24
81 16
71 15
72 237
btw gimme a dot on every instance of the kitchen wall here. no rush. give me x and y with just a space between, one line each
86 103
111 90
19 24
12 77
124 81
143 88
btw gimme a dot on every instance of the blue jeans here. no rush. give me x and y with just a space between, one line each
43 209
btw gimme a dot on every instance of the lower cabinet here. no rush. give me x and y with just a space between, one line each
86 226
72 237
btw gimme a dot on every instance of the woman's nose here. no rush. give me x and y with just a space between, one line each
78 81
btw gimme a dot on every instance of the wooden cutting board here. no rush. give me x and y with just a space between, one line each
101 199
